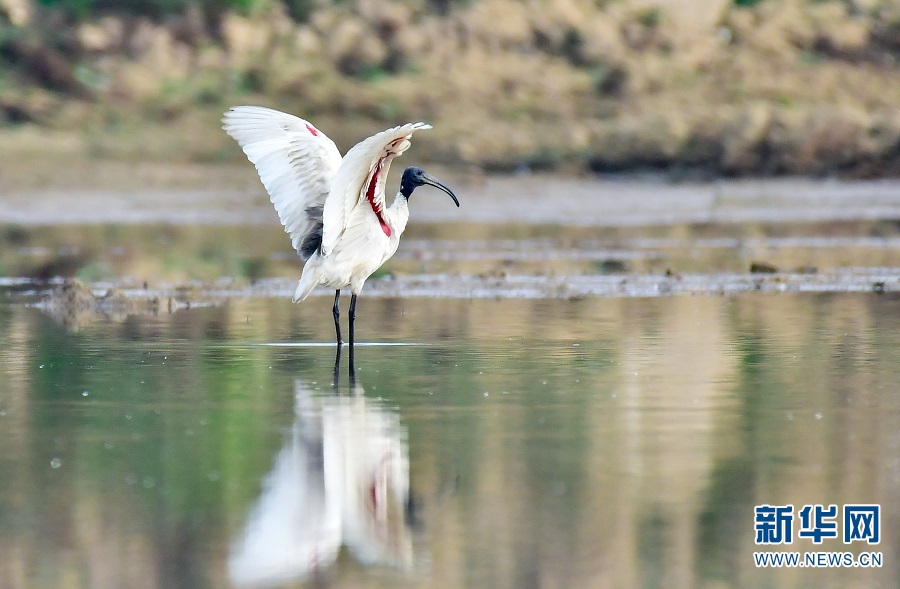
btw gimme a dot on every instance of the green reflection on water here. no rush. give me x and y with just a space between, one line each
568 443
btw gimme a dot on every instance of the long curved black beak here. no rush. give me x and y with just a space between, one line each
433 182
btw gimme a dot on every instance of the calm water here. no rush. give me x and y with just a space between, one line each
498 443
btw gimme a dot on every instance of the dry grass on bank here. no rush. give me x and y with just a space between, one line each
786 87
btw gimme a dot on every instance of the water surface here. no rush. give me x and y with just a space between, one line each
539 402
588 442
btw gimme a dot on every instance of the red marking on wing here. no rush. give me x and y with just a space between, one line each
312 130
370 196
377 207
373 497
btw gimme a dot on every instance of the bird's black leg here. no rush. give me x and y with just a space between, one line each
352 320
352 316
336 311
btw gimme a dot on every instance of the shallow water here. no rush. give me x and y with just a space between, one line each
465 259
535 403
587 442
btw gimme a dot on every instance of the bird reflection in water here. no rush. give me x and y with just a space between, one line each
341 479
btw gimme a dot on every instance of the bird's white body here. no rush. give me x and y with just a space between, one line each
362 249
338 202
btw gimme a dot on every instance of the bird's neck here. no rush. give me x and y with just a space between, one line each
398 213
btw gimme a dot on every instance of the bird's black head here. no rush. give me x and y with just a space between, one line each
414 177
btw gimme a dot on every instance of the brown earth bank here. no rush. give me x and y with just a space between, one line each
723 87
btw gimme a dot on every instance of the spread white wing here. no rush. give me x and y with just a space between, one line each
360 179
296 163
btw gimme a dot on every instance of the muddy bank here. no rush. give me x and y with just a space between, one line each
733 88
75 305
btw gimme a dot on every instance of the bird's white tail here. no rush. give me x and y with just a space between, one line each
308 281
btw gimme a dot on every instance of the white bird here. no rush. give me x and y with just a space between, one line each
333 208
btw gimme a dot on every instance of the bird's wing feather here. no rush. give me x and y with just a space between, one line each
360 179
296 163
